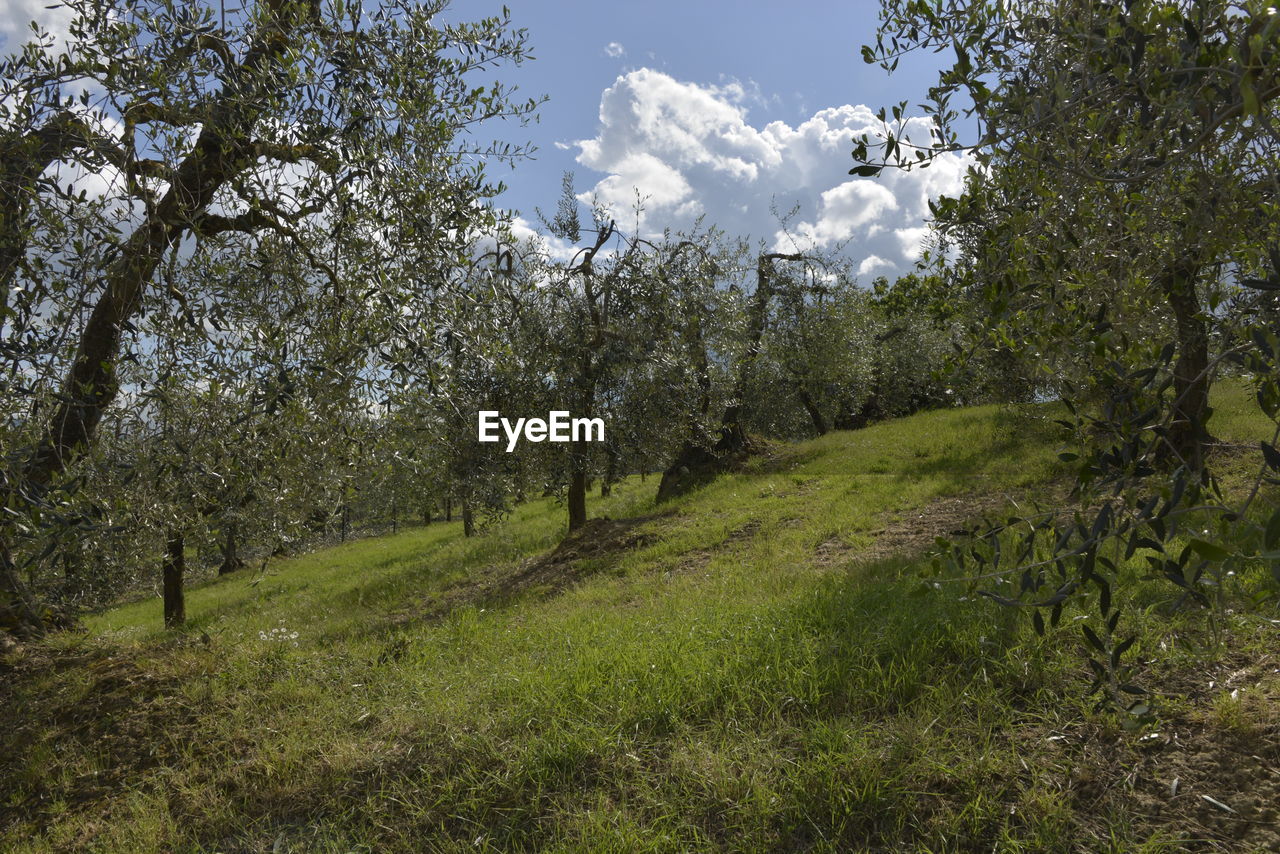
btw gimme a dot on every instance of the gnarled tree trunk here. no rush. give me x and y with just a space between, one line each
695 463
811 407
468 520
230 550
223 149
18 608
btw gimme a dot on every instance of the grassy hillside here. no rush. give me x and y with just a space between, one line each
752 667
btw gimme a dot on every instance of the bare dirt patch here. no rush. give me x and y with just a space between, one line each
1210 783
696 559
916 530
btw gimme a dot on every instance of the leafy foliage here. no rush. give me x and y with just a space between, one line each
1122 194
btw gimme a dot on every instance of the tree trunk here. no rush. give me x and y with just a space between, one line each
695 464
468 520
175 564
448 509
73 579
610 471
17 606
1188 434
732 437
222 149
867 413
815 414
577 500
346 522
230 550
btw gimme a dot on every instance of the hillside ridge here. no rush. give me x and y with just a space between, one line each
754 666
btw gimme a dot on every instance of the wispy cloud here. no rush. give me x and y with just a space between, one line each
615 50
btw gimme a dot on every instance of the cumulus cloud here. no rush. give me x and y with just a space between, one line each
690 149
871 264
615 50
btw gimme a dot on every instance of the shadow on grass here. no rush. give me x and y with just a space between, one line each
596 548
860 656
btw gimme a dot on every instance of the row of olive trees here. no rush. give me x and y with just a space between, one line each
256 429
679 344
685 346
298 158
275 319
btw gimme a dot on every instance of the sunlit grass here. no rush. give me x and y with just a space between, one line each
725 684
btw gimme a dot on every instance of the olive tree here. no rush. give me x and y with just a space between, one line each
336 130
1124 189
1124 155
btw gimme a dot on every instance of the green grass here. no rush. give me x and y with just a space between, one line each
751 675
1235 415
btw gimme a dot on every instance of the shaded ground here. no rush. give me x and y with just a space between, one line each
128 719
1206 777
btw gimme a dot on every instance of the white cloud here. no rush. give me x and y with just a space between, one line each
556 248
843 210
749 93
690 149
16 17
615 49
872 263
911 240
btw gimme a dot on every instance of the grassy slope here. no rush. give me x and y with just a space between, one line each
753 673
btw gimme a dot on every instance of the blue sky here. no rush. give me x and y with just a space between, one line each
802 56
723 110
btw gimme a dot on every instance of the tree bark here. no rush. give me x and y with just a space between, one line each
815 414
1188 433
230 550
577 500
175 564
73 579
695 463
732 435
610 472
468 520
20 607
